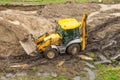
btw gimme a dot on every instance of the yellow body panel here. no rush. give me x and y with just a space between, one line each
69 23
40 39
48 40
52 36
43 46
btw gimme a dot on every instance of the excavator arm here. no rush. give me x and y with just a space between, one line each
84 31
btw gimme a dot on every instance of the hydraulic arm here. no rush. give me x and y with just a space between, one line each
84 31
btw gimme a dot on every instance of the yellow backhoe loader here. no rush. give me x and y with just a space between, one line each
70 37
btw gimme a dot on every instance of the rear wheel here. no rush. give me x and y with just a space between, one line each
73 49
50 53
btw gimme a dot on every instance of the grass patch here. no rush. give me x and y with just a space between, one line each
34 2
34 69
108 72
61 78
37 1
31 1
82 74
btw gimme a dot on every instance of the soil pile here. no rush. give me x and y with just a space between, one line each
70 9
15 25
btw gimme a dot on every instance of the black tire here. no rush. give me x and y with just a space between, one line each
50 53
73 49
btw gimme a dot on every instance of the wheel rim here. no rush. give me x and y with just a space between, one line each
51 54
74 50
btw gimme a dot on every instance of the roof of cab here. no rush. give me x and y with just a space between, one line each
68 23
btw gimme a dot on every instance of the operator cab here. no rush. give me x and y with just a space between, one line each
68 29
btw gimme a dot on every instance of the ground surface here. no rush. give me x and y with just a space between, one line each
18 21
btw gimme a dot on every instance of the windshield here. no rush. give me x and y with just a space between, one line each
68 35
59 30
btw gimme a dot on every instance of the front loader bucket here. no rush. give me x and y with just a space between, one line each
28 45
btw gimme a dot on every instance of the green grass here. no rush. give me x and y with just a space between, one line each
33 1
108 72
47 1
37 1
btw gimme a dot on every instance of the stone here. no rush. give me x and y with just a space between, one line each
3 78
39 74
9 75
54 74
45 74
21 74
76 78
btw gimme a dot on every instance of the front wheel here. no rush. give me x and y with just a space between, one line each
50 53
73 49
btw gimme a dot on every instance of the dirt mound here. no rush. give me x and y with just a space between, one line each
68 10
10 35
14 28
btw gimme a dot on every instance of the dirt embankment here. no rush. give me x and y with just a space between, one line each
9 39
15 25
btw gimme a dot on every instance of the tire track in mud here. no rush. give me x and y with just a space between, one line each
24 58
109 45
100 27
20 63
92 38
